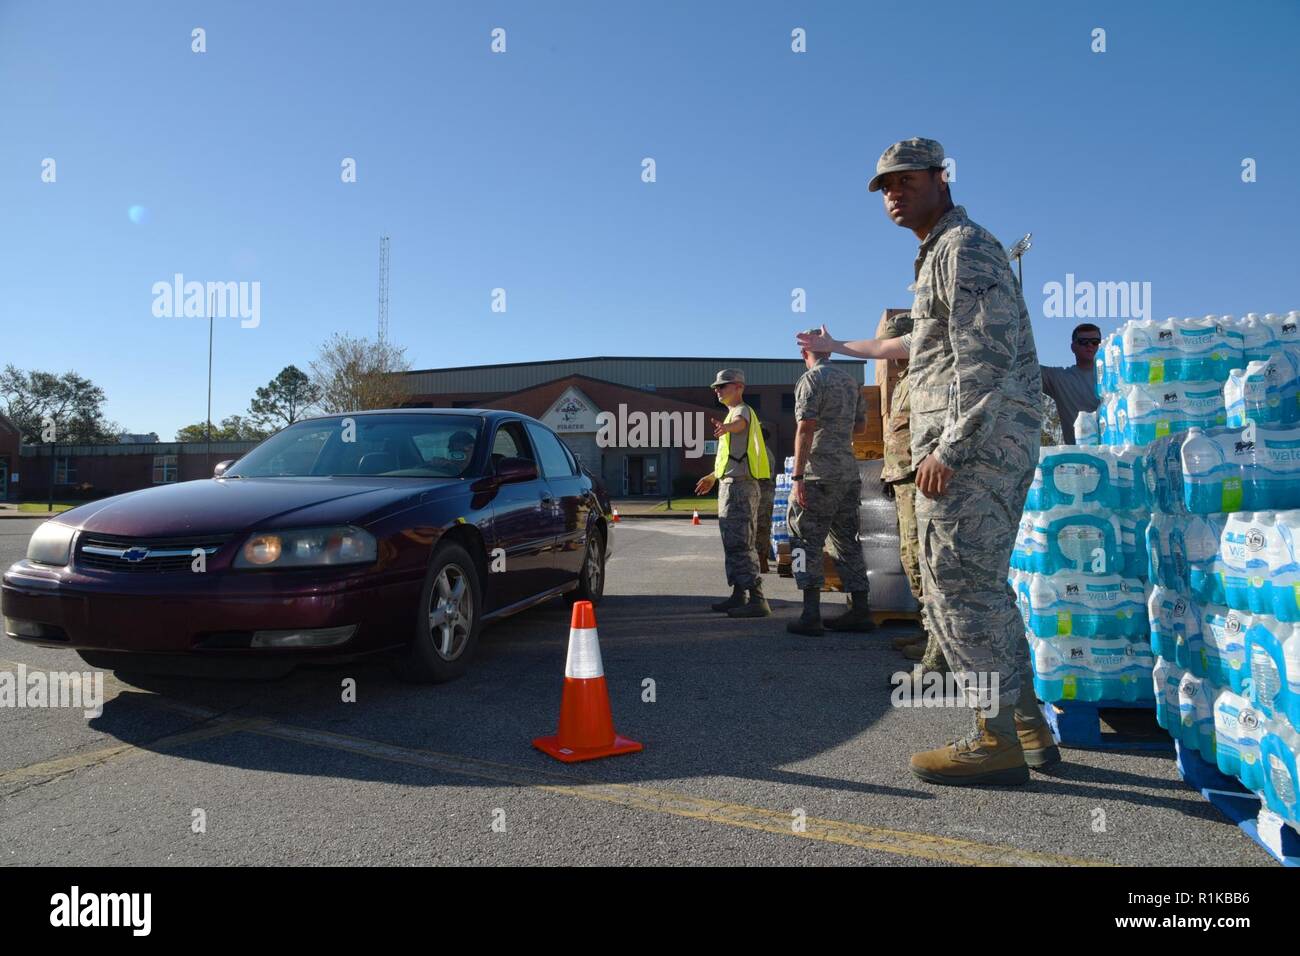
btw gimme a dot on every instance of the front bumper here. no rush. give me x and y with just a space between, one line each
221 613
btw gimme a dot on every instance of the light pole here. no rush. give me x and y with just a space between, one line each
1017 252
207 449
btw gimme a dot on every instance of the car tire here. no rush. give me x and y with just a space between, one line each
591 581
448 619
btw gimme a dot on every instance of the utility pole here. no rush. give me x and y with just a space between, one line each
383 289
207 450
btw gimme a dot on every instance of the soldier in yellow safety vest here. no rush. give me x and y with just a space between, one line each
738 465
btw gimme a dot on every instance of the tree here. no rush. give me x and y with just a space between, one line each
356 374
1052 434
231 428
284 400
72 403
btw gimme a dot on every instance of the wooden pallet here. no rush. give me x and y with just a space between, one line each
1243 807
1078 724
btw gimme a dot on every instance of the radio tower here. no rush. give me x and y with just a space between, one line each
383 289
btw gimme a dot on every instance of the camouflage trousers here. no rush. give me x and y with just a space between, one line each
737 510
829 521
763 529
966 539
909 547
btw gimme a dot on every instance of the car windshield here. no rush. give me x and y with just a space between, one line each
385 446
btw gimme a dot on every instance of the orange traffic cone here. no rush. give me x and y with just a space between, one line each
586 725
615 518
695 518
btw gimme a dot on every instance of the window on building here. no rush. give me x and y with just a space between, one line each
164 469
65 471
754 401
787 401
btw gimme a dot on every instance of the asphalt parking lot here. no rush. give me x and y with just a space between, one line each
760 748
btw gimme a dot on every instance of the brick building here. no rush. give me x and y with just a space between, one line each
570 394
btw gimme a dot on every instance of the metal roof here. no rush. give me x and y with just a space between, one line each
631 371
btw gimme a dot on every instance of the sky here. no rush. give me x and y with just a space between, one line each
522 170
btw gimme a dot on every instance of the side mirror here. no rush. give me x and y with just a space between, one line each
221 467
511 470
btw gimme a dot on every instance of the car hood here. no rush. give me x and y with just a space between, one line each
216 506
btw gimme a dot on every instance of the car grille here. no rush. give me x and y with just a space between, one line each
143 555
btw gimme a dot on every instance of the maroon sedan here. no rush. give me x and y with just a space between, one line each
400 530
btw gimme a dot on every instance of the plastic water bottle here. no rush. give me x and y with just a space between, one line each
1250 551
1176 629
1166 676
1284 568
1194 545
1145 345
1278 750
1223 635
1273 662
1160 620
1211 482
1260 338
1086 429
1196 716
1238 728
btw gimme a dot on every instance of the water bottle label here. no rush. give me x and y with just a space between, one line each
1069 687
1157 370
1063 622
1162 428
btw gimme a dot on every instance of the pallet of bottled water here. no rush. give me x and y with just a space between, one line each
1222 474
1077 571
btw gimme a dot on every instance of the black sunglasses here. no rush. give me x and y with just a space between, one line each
1088 341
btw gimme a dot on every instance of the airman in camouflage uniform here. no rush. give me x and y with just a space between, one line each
829 403
898 472
976 414
736 473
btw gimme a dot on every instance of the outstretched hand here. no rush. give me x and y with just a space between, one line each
816 342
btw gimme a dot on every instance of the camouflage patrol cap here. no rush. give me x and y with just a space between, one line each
909 154
728 375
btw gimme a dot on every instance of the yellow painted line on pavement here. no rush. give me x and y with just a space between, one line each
916 845
59 766
924 846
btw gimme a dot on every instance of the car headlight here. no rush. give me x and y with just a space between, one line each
51 544
307 548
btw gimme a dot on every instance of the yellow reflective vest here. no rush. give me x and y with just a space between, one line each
756 451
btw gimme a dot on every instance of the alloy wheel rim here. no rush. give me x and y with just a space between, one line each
594 569
451 612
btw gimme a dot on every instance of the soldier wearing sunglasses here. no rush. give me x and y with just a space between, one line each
1074 387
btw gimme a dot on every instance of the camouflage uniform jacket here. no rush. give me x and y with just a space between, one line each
975 381
831 396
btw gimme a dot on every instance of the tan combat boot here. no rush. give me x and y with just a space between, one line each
906 640
1033 731
986 757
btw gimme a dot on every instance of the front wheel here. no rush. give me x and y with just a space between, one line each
591 582
448 618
